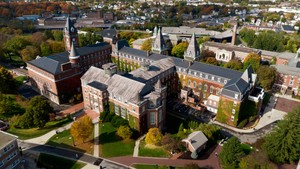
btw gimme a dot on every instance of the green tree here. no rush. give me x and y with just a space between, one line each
231 153
124 132
212 132
9 108
15 45
283 144
45 49
48 34
266 76
179 49
203 39
256 160
7 82
153 136
234 64
57 35
269 40
29 53
40 109
248 35
147 45
82 128
252 59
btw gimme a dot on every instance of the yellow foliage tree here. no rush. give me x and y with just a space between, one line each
154 136
147 45
82 128
124 132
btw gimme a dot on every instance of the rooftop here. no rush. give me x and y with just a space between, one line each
6 138
285 69
196 139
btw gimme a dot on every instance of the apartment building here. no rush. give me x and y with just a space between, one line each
10 157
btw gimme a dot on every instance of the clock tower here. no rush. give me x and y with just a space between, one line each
70 35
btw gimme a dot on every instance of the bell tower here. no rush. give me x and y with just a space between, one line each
70 35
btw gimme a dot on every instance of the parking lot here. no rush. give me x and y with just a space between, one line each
186 111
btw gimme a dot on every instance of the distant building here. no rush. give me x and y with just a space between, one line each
195 142
9 151
57 77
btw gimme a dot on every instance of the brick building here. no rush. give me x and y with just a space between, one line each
57 77
9 151
187 79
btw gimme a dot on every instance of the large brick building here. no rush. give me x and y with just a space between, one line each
188 79
57 77
9 151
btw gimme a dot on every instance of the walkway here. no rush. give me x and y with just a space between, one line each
211 162
137 145
96 140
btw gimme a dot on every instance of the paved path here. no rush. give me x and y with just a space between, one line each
96 140
44 138
211 162
287 97
137 146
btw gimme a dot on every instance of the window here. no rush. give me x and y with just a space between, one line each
234 103
205 87
206 76
219 79
200 86
189 82
218 91
200 74
152 118
123 112
225 81
116 109
236 96
195 84
211 89
160 116
143 109
233 111
232 118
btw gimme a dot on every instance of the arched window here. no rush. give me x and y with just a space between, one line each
211 89
205 87
200 86
195 85
189 82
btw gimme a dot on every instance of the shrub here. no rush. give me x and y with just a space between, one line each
243 123
153 136
124 132
252 118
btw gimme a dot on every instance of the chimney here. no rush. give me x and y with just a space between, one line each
234 34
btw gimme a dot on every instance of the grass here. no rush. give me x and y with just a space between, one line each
24 134
246 148
146 151
20 80
111 145
51 162
65 140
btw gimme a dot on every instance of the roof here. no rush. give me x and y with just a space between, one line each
196 139
229 47
52 64
108 33
6 138
73 53
238 85
225 34
288 70
95 74
155 69
215 70
188 31
159 42
193 50
287 28
98 85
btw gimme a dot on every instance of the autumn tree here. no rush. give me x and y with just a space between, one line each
15 45
169 142
252 59
82 128
231 153
234 64
147 45
266 76
124 132
205 53
57 35
45 49
29 53
212 61
7 82
37 38
283 144
179 49
153 136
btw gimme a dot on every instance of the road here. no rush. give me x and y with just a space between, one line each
71 154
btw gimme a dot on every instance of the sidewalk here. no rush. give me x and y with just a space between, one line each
287 97
137 145
96 140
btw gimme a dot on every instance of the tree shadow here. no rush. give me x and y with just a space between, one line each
108 137
63 145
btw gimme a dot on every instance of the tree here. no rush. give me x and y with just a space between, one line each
7 82
124 132
266 76
255 160
57 35
212 132
37 38
9 108
269 40
283 144
48 34
252 59
205 53
234 64
15 44
29 53
179 49
203 39
248 35
82 128
40 109
231 153
153 136
169 142
212 61
45 49
147 45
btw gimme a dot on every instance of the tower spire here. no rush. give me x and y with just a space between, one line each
159 45
193 50
74 53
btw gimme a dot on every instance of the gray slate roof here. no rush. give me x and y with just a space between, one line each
98 85
6 138
52 64
288 70
193 50
196 139
108 33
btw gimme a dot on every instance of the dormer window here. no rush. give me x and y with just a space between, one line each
236 96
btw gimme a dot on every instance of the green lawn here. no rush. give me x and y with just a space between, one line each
111 145
65 140
36 132
152 152
20 80
51 162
